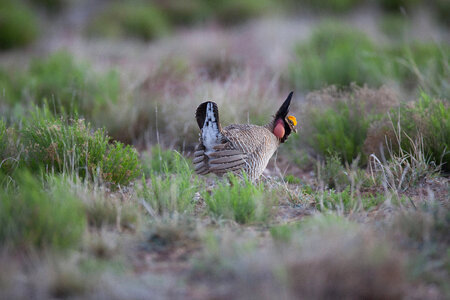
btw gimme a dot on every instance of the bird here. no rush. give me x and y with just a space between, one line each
239 148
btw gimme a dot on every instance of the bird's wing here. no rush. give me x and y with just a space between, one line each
239 149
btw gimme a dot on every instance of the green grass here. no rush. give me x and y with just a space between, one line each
73 148
121 165
9 154
32 215
338 130
19 25
138 19
240 200
184 13
427 119
63 146
394 26
328 6
335 54
52 6
346 202
424 65
232 12
171 192
103 210
160 161
69 86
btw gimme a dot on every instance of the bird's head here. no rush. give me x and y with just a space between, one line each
283 124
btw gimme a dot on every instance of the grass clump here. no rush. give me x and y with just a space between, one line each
336 54
69 86
333 6
181 12
63 146
121 164
241 201
9 154
419 132
230 12
336 123
52 6
424 65
160 161
103 209
18 23
72 147
136 19
169 193
31 215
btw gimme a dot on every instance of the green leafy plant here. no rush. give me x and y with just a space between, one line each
336 54
18 23
9 152
341 130
240 200
70 87
161 161
136 19
231 12
34 215
169 193
121 164
423 126
63 146
72 147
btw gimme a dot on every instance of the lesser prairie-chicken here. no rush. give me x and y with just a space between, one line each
239 147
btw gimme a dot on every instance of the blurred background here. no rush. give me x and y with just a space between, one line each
138 67
97 102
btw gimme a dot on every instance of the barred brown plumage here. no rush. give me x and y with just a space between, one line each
239 147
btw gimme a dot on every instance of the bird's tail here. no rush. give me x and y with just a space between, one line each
207 116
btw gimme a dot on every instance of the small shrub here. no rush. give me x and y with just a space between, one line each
341 130
230 12
72 147
31 215
18 23
52 6
333 6
105 210
171 193
240 201
171 233
9 152
181 12
63 147
419 130
424 65
70 87
121 164
442 11
336 54
335 257
331 200
291 179
160 161
336 122
398 5
394 26
137 19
